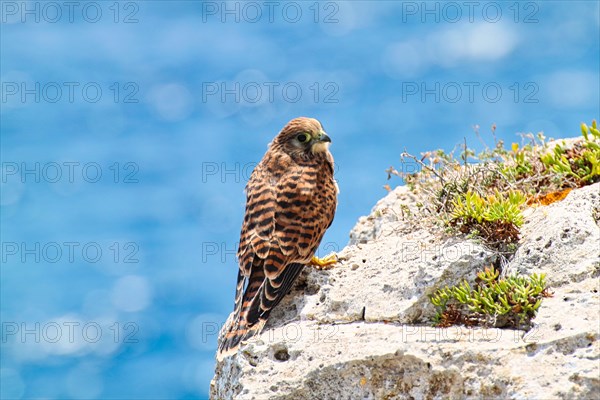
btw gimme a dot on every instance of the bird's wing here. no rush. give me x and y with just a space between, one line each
259 219
253 249
302 214
278 230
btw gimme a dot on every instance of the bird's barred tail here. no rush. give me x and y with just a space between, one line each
238 327
233 337
253 305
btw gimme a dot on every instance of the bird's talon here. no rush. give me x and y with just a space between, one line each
326 262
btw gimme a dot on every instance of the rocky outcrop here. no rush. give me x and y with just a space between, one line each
361 330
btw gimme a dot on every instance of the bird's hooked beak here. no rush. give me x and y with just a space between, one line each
323 138
321 143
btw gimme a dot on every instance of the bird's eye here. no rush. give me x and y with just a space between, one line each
302 137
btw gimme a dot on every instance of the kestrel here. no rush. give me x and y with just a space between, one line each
291 199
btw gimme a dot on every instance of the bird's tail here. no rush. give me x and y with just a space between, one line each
233 336
238 326
253 305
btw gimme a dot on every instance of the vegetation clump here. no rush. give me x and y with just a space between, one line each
495 217
494 301
483 194
580 163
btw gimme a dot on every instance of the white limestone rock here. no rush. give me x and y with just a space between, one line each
360 331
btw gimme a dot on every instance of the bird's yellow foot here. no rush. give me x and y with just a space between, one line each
326 262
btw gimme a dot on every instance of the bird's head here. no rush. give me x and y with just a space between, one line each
303 136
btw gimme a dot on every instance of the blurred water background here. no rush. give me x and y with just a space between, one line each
128 130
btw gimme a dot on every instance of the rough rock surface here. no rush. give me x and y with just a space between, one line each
360 330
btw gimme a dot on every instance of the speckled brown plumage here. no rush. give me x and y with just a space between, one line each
291 199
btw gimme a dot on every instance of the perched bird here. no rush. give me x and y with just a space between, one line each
291 199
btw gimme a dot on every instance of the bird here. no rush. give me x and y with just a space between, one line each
291 199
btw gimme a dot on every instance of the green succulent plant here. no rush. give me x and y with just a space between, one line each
516 297
581 162
494 207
